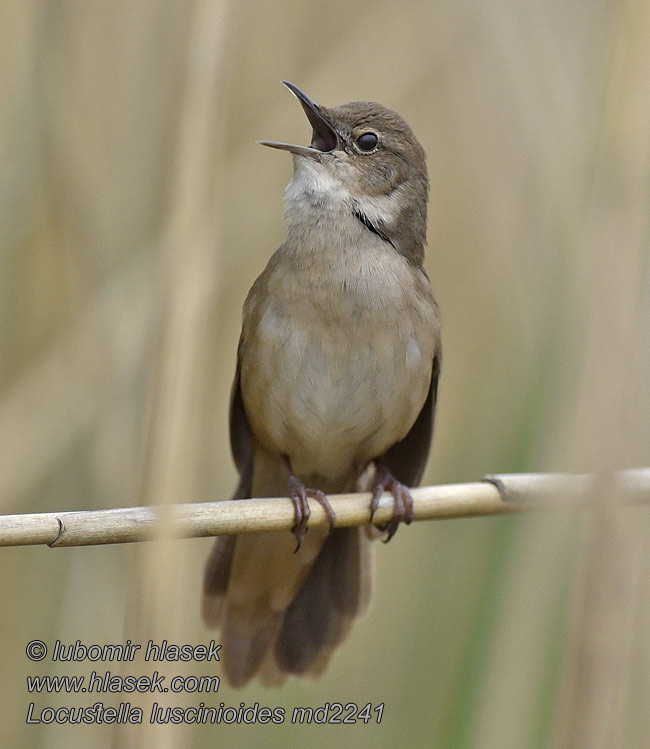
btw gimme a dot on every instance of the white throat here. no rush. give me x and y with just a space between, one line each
314 191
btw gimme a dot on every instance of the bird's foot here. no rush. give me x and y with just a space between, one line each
300 495
403 501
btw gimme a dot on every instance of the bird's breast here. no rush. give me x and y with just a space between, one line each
336 362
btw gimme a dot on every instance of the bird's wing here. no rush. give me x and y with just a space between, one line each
241 437
407 459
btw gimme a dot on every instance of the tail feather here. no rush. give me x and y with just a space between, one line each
321 614
283 613
215 579
245 643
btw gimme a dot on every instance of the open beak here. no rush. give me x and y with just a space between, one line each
324 138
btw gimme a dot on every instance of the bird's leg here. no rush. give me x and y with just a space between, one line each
299 495
403 501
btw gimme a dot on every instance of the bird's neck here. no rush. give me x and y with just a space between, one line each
325 216
322 214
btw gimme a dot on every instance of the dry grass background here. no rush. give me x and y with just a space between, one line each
135 212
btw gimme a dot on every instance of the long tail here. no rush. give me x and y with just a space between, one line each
282 613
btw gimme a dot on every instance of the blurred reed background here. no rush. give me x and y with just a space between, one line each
136 210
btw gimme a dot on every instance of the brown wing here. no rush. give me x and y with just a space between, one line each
241 437
407 459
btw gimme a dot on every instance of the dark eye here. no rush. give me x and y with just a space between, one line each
367 141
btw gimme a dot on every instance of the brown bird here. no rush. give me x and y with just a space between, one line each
335 389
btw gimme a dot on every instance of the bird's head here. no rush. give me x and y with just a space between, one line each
364 159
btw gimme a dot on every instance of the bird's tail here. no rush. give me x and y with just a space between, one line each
282 613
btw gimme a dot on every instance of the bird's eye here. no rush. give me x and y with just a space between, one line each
367 141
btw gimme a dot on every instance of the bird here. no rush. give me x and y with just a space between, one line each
335 390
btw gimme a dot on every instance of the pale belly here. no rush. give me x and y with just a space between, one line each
335 386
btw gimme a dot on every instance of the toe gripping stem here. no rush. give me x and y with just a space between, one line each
402 501
300 496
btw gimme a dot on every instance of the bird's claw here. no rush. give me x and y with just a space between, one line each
403 501
300 495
